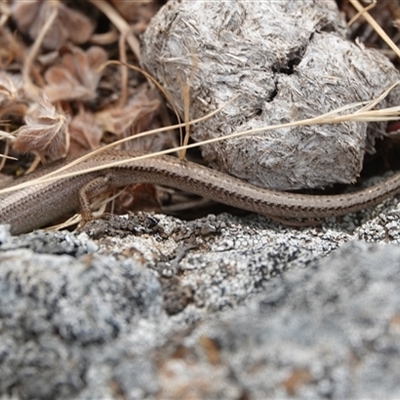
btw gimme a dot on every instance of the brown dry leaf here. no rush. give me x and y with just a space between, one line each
45 132
30 17
85 134
10 89
77 76
137 11
135 117
13 100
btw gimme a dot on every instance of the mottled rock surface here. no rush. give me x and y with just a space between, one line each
220 307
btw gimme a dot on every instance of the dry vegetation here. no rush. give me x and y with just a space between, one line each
55 98
58 96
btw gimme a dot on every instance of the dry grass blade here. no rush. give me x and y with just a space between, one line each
133 117
98 207
3 156
124 69
119 23
29 86
185 89
151 79
6 135
51 176
373 103
332 117
364 12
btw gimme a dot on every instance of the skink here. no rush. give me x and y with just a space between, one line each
38 205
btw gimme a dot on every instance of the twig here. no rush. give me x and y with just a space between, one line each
29 86
119 23
358 6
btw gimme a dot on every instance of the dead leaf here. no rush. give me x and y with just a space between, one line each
135 117
77 76
45 132
84 132
70 24
136 11
10 89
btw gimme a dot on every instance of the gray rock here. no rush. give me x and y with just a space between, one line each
58 312
220 307
329 331
286 61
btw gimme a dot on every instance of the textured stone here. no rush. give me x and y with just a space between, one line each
287 61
